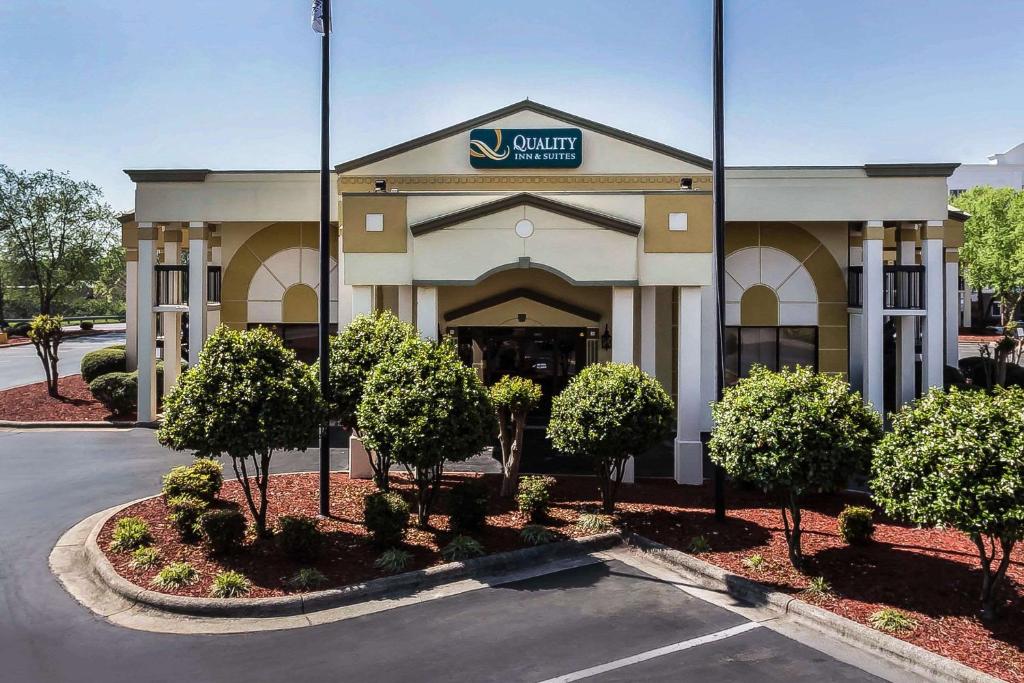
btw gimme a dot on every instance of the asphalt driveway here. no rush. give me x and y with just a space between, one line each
605 621
20 365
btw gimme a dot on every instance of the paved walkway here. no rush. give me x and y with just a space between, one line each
20 365
608 621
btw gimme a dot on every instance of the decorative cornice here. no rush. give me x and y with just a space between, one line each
909 170
176 175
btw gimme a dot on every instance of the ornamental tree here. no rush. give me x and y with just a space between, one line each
791 433
956 459
513 398
247 397
46 333
364 343
607 413
422 406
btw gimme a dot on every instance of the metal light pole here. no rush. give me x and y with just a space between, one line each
322 14
718 198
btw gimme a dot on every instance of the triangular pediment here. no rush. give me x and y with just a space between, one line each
610 150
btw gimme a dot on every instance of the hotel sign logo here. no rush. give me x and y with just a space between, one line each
526 147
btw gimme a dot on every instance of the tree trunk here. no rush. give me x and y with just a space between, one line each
263 481
505 442
793 532
54 388
512 459
991 581
609 478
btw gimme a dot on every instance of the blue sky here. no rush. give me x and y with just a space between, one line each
96 86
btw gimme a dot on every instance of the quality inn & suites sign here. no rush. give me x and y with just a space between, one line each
526 147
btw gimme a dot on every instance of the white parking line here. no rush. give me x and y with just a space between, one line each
651 654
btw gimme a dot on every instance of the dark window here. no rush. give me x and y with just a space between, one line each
302 338
773 347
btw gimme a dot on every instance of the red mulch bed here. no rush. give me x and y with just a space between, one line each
930 574
31 403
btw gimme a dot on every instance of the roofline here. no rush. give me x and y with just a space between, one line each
958 215
522 293
524 105
525 199
197 175
939 170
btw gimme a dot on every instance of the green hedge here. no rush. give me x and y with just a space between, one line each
102 361
118 391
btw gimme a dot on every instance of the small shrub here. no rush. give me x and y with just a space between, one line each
230 584
18 330
103 361
818 588
892 620
202 479
176 575
117 391
130 533
698 545
536 534
755 562
534 496
223 529
85 325
306 579
593 523
467 505
462 548
145 557
856 524
186 512
387 516
393 560
299 537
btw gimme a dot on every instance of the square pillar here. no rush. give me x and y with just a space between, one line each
131 310
171 319
933 346
906 358
362 300
198 290
622 324
872 314
146 405
648 330
952 279
426 312
689 452
345 296
708 354
405 300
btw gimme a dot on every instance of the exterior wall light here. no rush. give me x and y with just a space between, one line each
380 185
606 338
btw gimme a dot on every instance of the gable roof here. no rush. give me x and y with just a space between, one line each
525 199
524 105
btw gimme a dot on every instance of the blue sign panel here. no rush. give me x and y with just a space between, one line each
526 147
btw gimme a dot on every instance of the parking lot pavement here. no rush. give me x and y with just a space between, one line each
552 626
20 365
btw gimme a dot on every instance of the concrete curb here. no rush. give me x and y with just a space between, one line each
900 652
292 605
13 424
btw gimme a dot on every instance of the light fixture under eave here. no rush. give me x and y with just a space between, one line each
606 338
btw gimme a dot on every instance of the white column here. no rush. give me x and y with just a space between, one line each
198 293
172 320
907 326
426 312
689 454
968 308
857 352
345 314
405 295
131 313
648 330
708 354
362 300
873 346
952 307
933 346
213 312
146 407
622 324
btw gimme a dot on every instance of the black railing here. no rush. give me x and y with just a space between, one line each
213 284
171 285
902 287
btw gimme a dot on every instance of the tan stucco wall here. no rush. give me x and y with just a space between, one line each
698 234
392 239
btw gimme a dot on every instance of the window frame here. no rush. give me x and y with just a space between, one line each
735 367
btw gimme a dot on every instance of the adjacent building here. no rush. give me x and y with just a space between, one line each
540 242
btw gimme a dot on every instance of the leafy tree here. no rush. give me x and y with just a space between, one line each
790 433
46 333
54 231
422 406
247 397
609 412
956 459
364 343
513 398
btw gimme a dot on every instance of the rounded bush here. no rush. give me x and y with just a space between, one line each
223 529
186 511
130 533
387 516
202 479
534 496
103 361
85 325
467 505
856 524
299 537
117 391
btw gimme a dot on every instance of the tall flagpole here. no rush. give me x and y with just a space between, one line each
718 191
325 245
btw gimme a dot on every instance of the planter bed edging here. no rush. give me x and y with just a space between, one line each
89 424
304 603
905 654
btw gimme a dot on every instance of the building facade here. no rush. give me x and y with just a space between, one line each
540 242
